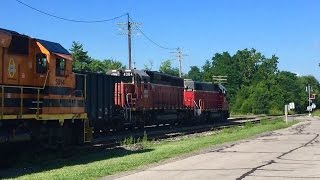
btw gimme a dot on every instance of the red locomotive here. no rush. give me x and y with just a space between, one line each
206 99
150 97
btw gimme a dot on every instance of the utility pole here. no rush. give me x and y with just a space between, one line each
129 40
128 31
180 57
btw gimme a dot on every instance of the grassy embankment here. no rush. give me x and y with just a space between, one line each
316 113
93 165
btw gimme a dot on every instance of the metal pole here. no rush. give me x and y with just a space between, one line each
2 101
129 40
309 89
180 59
286 113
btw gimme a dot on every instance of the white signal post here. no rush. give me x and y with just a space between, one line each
308 89
286 109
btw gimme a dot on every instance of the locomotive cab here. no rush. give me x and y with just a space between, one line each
132 91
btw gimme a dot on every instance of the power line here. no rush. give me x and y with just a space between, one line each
93 21
97 21
67 19
129 27
148 38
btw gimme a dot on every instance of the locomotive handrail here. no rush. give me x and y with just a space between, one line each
45 81
201 104
198 108
127 98
195 103
21 95
27 87
129 107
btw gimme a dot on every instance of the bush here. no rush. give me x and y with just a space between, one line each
275 112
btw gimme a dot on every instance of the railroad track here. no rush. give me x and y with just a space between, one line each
175 131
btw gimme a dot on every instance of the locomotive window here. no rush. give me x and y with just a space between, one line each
126 79
41 63
138 79
145 83
60 66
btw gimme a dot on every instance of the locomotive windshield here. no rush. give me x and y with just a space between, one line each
127 79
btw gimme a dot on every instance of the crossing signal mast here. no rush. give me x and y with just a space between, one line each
180 56
311 97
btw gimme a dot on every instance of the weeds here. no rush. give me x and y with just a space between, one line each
264 121
248 124
135 144
232 129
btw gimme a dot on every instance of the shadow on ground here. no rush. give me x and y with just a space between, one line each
34 162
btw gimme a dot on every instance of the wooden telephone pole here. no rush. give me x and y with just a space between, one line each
128 31
180 57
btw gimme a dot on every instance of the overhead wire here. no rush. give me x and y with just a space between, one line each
152 41
67 19
95 21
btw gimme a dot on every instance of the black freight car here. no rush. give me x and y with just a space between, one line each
99 90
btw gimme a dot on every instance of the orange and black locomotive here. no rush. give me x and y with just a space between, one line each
37 85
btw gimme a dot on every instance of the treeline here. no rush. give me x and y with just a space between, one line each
254 82
83 62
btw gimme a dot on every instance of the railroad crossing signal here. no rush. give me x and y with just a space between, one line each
311 97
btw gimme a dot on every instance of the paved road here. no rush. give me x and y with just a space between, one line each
292 153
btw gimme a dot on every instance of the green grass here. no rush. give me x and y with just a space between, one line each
316 113
94 165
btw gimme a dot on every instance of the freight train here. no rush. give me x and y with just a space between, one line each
43 100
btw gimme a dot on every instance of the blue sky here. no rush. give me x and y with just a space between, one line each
289 29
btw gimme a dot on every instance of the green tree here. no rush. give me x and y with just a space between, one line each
224 65
195 74
105 65
111 64
266 68
96 66
148 66
166 67
81 60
